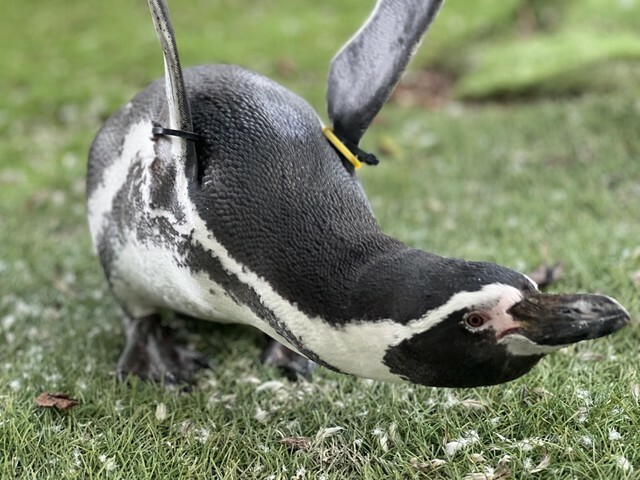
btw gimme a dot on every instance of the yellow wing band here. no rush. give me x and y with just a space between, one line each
335 141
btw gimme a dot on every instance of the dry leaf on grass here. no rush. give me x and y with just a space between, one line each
296 443
544 463
161 412
635 392
428 465
328 432
451 448
546 275
589 356
59 401
426 88
501 474
473 404
543 393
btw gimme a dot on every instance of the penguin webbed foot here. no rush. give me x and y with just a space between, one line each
293 365
152 354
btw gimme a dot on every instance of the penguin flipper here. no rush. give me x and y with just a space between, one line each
180 126
367 68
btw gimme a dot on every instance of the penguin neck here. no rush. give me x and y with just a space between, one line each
401 285
389 290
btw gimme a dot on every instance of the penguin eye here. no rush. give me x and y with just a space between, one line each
474 320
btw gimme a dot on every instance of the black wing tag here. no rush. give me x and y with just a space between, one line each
157 131
350 151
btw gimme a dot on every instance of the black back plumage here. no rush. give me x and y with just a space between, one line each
276 195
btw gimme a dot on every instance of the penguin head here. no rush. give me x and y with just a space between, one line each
494 326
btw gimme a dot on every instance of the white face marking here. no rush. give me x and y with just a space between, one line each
521 346
533 284
488 297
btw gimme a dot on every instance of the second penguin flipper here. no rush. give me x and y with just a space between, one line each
370 64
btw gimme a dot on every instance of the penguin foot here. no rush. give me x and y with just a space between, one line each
292 364
151 354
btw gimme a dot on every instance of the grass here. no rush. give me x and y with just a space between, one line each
520 183
558 62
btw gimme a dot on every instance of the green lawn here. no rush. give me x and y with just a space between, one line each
546 180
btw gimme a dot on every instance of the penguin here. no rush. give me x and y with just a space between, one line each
218 194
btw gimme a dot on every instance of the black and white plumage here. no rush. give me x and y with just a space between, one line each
259 222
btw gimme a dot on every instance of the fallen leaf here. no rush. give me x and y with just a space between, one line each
543 393
428 465
328 432
479 476
261 415
186 428
451 448
59 401
426 88
384 442
161 412
502 463
502 474
635 392
477 458
544 463
546 275
270 386
473 404
296 443
590 356
614 435
624 464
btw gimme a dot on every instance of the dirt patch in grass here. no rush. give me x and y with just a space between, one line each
428 88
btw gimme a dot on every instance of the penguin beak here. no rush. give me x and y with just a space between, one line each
557 320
